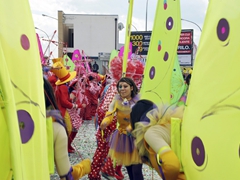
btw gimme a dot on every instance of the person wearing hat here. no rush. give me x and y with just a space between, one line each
58 140
63 99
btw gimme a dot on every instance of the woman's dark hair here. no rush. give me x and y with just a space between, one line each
139 111
129 81
50 99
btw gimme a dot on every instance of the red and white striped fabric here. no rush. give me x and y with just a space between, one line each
75 118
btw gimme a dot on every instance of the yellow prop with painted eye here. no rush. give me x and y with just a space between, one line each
211 122
22 115
162 51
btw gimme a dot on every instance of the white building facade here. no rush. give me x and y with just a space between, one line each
88 32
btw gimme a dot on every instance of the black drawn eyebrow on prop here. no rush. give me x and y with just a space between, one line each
30 101
156 94
215 108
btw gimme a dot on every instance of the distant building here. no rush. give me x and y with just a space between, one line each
92 33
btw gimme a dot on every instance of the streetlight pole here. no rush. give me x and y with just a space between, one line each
121 26
49 16
193 23
134 27
54 31
146 15
48 40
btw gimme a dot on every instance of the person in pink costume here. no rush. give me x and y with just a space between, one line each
81 88
102 138
74 113
92 92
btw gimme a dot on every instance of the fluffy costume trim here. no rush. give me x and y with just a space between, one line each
139 69
158 116
116 68
134 69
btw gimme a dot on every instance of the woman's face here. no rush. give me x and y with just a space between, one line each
124 90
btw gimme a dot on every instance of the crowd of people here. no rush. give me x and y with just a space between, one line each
129 131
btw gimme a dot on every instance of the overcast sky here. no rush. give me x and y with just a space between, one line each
192 10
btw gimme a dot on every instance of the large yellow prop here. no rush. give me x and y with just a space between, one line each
22 114
127 37
211 122
162 51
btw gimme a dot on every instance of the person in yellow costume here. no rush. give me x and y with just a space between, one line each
122 149
64 168
151 126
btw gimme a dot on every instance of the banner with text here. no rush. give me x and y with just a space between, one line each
185 47
140 42
141 39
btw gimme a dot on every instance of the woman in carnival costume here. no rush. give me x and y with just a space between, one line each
122 149
103 136
152 128
63 98
65 170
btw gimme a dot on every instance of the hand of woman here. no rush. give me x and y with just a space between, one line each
129 128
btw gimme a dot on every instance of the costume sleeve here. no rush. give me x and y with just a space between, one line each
64 97
60 149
